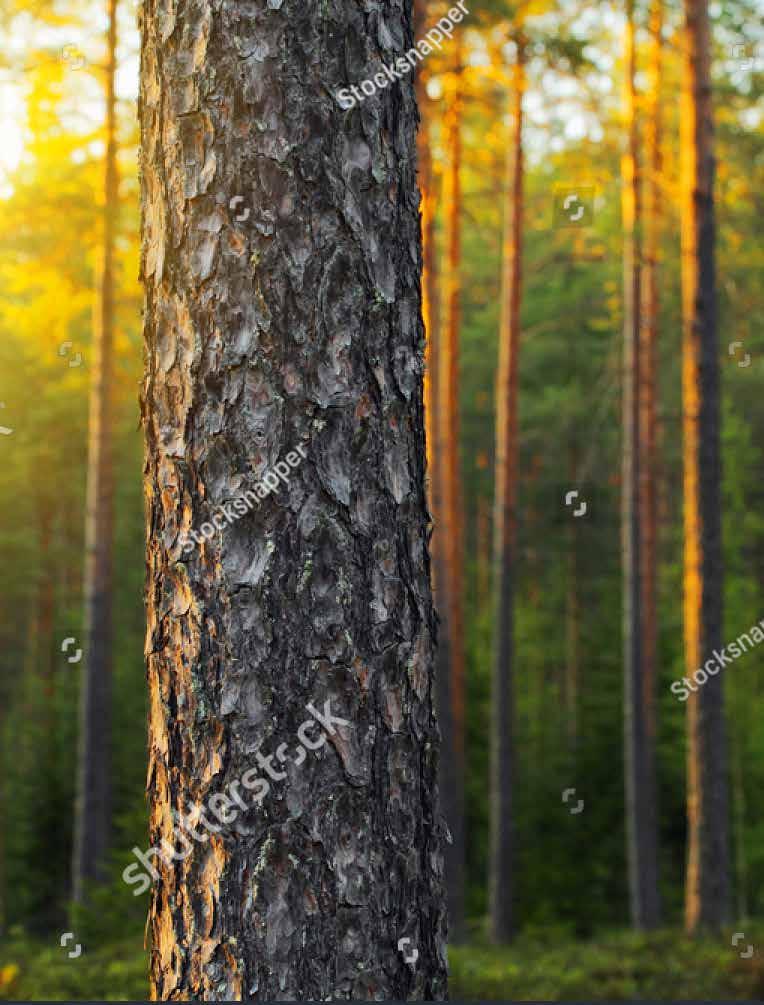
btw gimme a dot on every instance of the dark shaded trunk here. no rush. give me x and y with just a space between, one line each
707 890
93 800
505 517
281 258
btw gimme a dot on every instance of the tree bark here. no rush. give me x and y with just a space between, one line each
281 259
707 883
640 815
505 518
93 800
648 467
451 523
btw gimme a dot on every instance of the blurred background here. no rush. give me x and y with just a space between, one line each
572 933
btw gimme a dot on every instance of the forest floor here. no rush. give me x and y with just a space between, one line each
623 965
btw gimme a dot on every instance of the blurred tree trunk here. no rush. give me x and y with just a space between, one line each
572 641
502 757
283 313
451 522
483 533
707 883
640 814
648 467
93 799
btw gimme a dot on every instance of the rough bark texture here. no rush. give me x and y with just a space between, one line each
93 801
707 882
505 518
298 325
648 466
450 529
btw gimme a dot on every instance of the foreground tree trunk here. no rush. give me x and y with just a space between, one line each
281 260
502 703
93 801
707 882
450 497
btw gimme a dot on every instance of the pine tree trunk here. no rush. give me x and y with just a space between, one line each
93 801
648 468
282 258
640 815
502 757
451 525
707 883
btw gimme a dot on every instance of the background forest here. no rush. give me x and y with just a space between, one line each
572 932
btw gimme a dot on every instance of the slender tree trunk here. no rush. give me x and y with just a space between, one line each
502 726
572 641
483 579
648 468
93 806
707 882
451 494
449 773
47 601
640 815
283 327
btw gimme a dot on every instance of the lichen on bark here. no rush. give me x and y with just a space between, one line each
281 260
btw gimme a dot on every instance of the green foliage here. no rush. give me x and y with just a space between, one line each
617 967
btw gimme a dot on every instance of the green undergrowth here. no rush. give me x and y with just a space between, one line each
622 966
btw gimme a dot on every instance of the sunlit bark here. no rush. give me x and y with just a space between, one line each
707 881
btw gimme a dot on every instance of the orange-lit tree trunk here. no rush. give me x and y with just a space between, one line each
451 486
648 437
451 757
93 799
707 881
502 758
